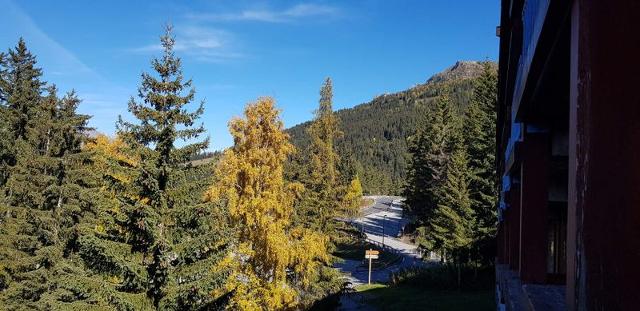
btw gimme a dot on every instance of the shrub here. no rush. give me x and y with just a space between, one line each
444 277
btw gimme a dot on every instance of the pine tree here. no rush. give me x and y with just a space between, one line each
430 150
34 160
103 248
418 174
6 136
155 234
275 259
20 93
29 236
450 229
479 136
47 185
163 120
323 191
71 196
24 88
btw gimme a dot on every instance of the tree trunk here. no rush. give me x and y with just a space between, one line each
475 269
59 203
459 273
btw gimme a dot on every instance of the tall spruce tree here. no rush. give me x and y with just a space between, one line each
161 113
156 235
47 188
479 136
430 149
418 174
6 154
20 95
28 233
71 197
450 228
321 181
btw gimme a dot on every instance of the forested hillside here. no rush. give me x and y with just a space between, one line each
374 140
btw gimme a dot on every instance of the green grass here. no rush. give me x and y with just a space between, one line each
366 287
386 297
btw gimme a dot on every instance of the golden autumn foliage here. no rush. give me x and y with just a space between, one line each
112 159
108 151
274 258
352 198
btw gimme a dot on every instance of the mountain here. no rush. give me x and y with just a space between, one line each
375 133
460 71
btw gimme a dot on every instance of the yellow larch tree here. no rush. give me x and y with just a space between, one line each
352 198
274 259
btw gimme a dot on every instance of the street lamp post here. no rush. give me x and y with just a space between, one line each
384 220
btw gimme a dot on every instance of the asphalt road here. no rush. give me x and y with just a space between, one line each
383 219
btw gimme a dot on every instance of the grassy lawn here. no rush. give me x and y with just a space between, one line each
385 297
367 287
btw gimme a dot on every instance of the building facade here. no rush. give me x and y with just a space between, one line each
568 140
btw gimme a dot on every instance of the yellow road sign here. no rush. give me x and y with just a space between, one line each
372 252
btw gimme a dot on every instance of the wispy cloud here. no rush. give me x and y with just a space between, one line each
202 43
60 60
303 10
101 98
196 39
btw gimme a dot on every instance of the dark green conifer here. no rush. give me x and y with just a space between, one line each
321 180
450 227
163 120
20 94
479 136
47 188
430 150
170 239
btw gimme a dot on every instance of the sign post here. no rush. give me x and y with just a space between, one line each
369 271
371 254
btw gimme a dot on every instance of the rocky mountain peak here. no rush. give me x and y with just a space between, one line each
460 70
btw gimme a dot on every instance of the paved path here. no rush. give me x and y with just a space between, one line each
383 219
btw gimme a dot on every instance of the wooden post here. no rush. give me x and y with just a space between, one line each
371 254
370 270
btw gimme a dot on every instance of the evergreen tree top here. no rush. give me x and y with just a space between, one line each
21 87
4 79
23 65
162 110
326 98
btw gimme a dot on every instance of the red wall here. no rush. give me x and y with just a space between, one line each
605 126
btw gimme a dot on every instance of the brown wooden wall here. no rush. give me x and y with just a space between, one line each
604 185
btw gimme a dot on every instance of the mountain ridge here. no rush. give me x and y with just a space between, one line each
375 132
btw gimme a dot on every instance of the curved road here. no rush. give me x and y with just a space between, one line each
384 219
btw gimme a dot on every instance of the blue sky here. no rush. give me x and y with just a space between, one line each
236 51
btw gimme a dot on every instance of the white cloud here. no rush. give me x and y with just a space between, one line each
202 43
100 97
58 59
271 16
303 10
207 44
